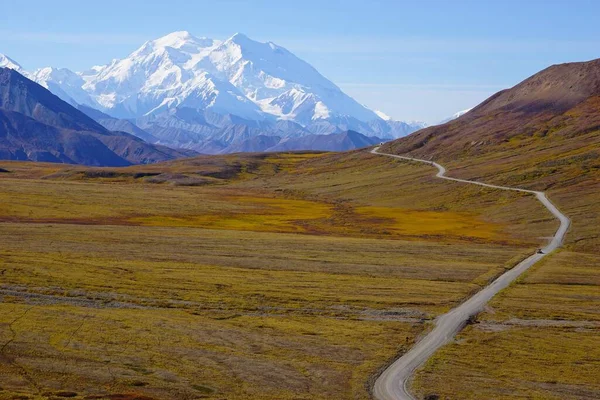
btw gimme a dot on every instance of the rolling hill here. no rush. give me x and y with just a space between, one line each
542 134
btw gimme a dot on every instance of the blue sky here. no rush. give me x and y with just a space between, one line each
421 60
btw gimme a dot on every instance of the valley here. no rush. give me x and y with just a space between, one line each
196 218
317 284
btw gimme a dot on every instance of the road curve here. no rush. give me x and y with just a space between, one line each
392 383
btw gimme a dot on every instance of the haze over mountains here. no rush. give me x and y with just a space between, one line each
212 96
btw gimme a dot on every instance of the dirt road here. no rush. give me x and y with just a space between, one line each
392 383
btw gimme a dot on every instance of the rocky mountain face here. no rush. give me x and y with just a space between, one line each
36 125
6 62
344 141
190 92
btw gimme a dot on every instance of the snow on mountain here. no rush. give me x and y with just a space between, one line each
417 124
61 81
455 116
64 83
238 76
162 74
189 90
461 113
383 116
279 82
6 62
92 72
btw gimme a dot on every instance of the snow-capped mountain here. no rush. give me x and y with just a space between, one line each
455 116
280 83
6 62
163 74
253 87
64 83
238 76
383 115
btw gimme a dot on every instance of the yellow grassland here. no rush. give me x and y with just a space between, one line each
283 276
540 338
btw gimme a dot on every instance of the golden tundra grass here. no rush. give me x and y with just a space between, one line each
540 338
285 276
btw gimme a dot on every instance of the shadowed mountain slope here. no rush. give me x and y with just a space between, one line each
36 125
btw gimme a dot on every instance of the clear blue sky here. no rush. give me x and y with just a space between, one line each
419 60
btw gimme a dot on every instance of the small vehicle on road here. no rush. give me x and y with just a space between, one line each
540 251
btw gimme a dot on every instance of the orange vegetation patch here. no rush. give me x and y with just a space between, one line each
260 214
406 222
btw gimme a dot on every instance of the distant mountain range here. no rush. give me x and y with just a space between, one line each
211 96
36 125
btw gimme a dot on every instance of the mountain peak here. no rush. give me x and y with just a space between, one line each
240 39
454 116
180 40
177 36
253 80
557 87
239 35
20 94
7 62
180 34
59 75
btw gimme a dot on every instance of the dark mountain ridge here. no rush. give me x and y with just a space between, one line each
19 94
36 125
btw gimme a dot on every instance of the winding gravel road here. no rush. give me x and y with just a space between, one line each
392 383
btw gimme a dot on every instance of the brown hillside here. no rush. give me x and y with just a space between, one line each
560 102
542 133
